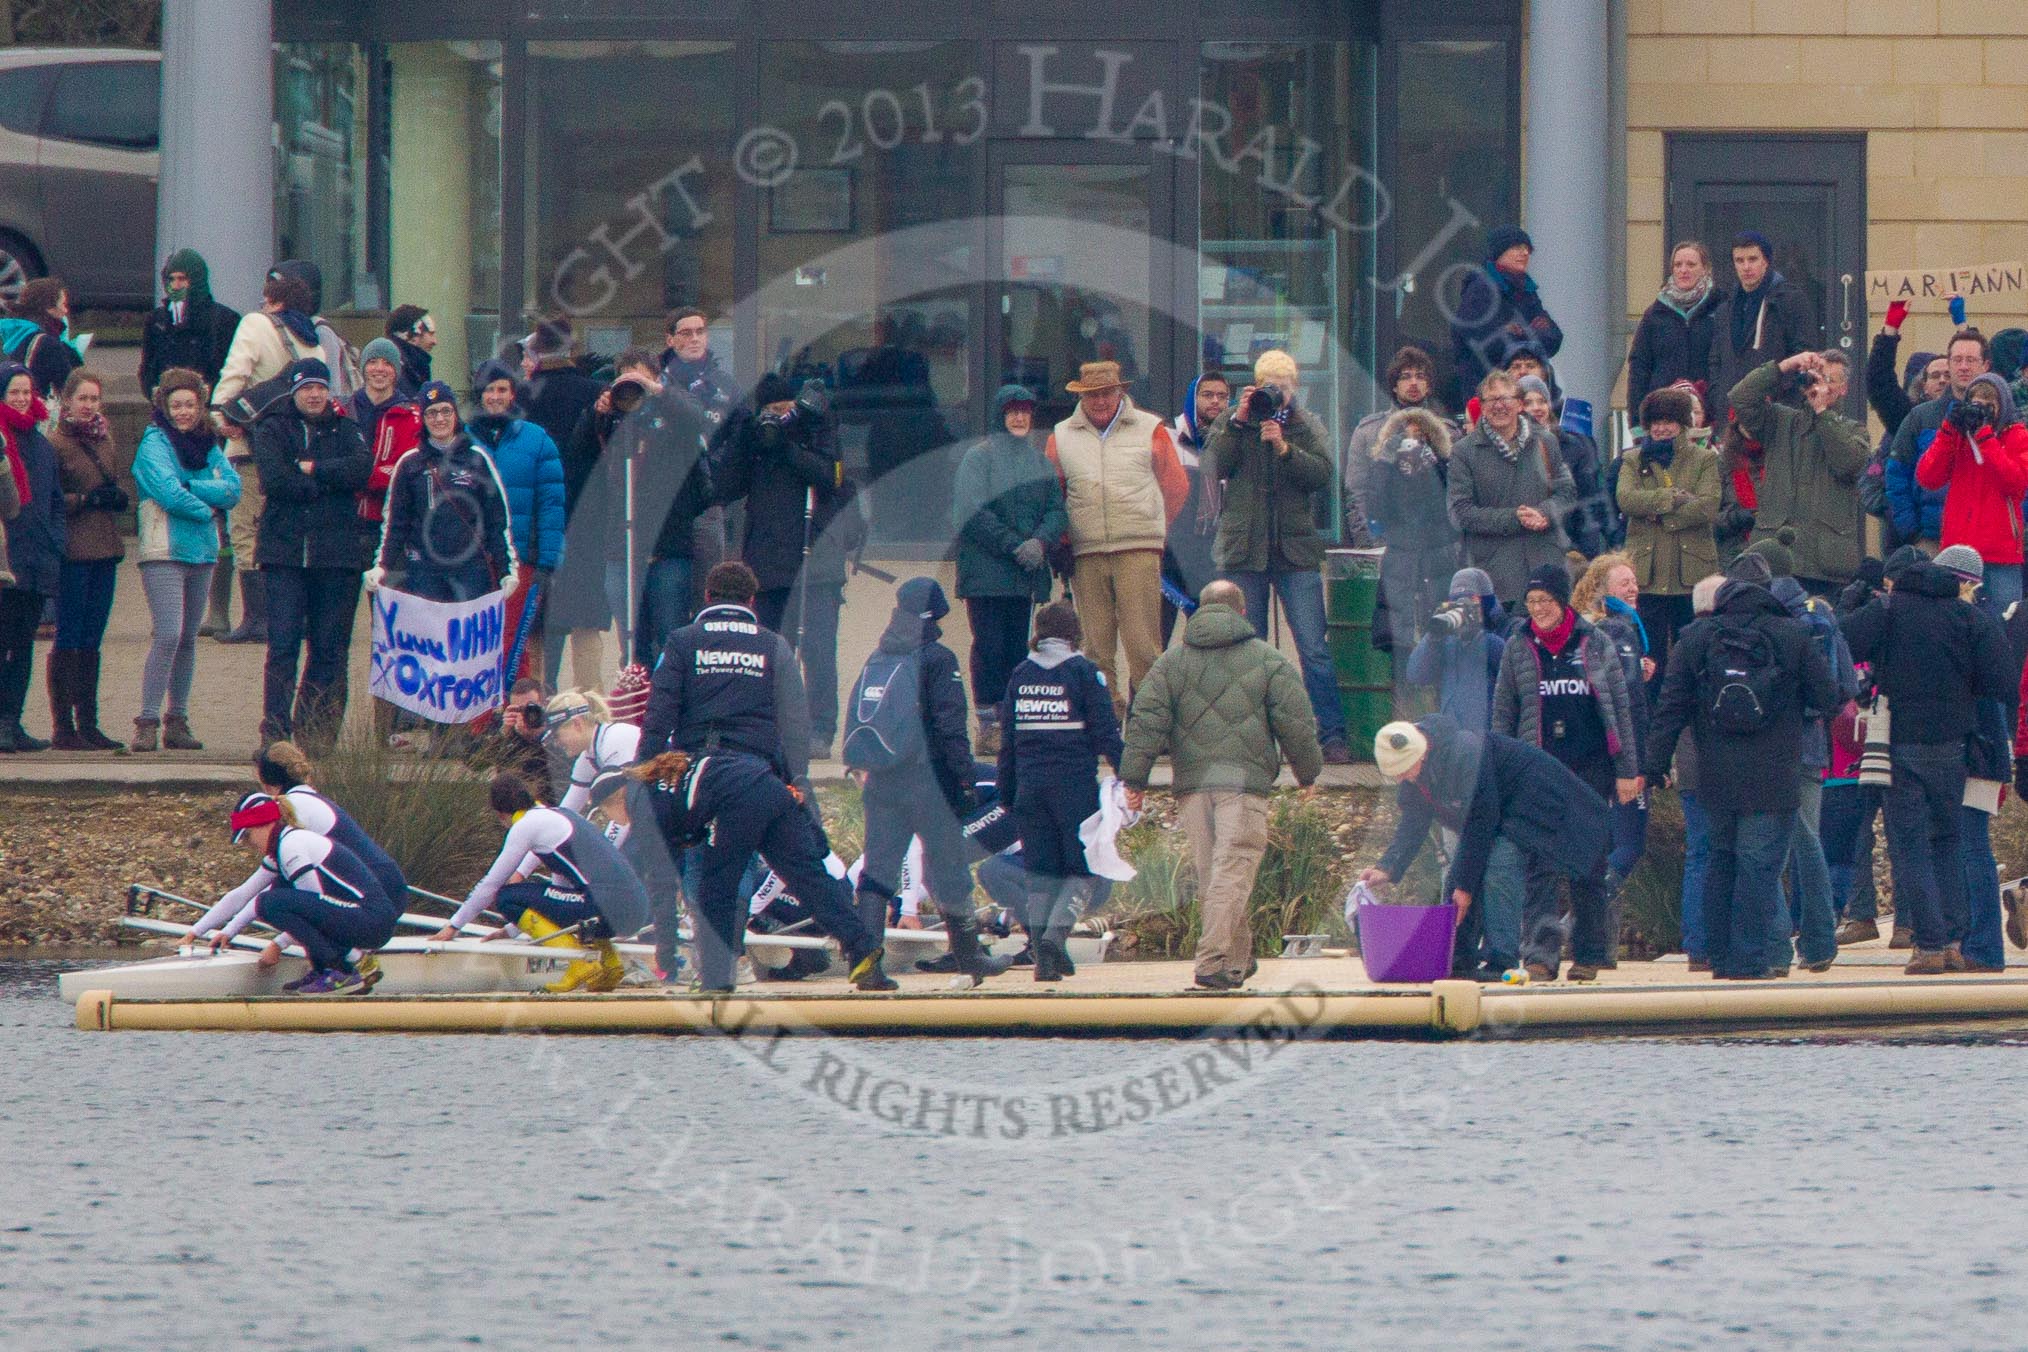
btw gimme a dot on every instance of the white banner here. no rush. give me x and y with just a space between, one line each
439 659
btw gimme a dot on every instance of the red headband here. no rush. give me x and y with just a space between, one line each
263 813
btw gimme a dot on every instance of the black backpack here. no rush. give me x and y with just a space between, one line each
1741 669
883 725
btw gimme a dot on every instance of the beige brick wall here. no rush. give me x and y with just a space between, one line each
1940 87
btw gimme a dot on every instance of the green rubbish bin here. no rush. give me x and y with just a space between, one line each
1351 585
1368 709
1354 660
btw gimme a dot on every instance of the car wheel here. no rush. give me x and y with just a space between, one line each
18 266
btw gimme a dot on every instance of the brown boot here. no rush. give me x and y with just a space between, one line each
176 734
61 673
1857 932
1954 958
1904 937
147 734
1927 962
87 695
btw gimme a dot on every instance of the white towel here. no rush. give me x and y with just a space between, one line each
1100 832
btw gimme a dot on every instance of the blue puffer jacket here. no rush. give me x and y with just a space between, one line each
1915 511
531 472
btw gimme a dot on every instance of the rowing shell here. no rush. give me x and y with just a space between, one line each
407 966
417 966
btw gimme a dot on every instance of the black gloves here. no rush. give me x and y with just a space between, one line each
107 498
1967 417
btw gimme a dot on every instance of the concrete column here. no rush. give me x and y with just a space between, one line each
436 126
1567 205
217 192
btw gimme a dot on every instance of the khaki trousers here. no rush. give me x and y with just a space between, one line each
1119 602
243 523
1228 833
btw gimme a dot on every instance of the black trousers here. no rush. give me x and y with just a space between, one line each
904 803
999 642
327 927
317 606
817 606
20 613
751 811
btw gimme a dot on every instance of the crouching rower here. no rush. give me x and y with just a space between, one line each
730 806
314 891
590 889
284 772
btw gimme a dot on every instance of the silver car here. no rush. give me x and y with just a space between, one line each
78 167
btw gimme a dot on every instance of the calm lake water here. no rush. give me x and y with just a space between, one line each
201 1190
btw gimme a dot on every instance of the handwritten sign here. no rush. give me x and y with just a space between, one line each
1928 287
439 660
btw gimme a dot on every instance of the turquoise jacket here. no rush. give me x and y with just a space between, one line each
177 504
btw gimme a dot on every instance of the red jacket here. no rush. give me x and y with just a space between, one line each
1982 507
398 432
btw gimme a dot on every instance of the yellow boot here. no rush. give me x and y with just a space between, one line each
540 929
611 968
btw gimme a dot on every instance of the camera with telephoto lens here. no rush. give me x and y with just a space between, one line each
532 716
1266 401
627 394
1453 618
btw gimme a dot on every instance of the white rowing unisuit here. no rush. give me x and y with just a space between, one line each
300 855
614 746
539 838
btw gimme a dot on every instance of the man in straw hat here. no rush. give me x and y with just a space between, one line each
1123 485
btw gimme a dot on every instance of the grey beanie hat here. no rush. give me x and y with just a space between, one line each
1471 582
1535 385
1964 561
381 349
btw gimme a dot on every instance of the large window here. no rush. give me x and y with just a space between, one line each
1455 136
321 202
632 200
1286 219
109 103
888 137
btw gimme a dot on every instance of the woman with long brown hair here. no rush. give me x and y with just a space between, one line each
93 503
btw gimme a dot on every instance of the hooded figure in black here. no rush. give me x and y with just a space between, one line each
779 452
188 328
907 745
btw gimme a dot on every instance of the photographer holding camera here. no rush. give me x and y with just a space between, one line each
1271 453
654 436
1459 652
779 451
1810 467
1979 460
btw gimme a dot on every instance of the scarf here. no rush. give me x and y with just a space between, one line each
1554 639
1660 454
1615 606
91 433
1685 303
193 448
1510 451
12 424
489 427
1746 308
299 324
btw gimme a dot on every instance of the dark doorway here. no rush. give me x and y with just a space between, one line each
1807 194
1050 319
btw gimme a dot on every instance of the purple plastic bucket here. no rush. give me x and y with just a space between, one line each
1407 943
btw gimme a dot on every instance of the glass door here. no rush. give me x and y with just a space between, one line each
1080 269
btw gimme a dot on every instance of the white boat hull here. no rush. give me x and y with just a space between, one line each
408 967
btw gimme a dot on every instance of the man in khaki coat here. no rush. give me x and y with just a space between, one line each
1123 485
1228 708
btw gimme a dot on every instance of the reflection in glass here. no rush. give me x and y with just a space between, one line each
321 203
889 136
632 199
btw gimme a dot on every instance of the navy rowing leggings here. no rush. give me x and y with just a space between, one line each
325 926
560 906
